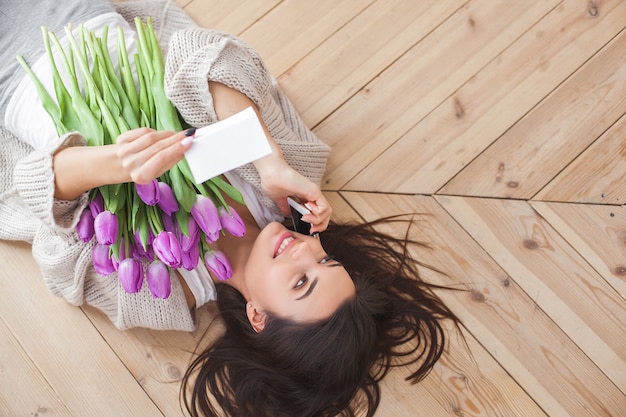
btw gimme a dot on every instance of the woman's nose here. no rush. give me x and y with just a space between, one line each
303 253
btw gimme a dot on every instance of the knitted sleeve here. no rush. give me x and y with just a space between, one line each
197 56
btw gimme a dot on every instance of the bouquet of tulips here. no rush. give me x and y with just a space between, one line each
170 221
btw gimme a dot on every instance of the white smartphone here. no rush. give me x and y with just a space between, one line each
297 211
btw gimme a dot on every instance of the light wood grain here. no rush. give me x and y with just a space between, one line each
233 16
358 52
294 28
598 233
498 312
537 148
23 389
476 115
597 176
556 277
64 345
408 91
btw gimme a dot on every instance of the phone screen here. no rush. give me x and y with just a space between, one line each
297 211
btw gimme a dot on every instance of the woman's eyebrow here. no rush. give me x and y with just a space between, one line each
309 291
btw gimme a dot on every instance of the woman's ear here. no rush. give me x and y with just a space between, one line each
257 318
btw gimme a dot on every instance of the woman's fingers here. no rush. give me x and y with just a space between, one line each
146 154
321 212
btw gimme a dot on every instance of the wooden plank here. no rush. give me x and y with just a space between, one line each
536 149
462 382
233 16
555 276
598 233
23 389
500 315
596 176
64 345
293 28
391 104
361 50
465 381
472 118
158 359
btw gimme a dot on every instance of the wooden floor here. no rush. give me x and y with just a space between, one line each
501 122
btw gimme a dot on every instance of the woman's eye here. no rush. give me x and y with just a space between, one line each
301 282
327 258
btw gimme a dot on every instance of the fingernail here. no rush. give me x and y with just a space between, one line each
316 235
190 131
186 141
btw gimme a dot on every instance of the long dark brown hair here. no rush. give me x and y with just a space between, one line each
332 367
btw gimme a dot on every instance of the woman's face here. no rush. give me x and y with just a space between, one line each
289 275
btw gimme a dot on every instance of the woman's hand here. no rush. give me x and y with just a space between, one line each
145 154
139 155
279 181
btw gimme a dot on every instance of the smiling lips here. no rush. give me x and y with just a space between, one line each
286 240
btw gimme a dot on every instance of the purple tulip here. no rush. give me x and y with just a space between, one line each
205 214
158 277
117 260
84 228
167 248
187 242
191 257
149 193
232 222
101 260
141 250
130 274
168 202
96 205
168 222
106 226
218 263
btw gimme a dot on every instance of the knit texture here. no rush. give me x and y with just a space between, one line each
29 212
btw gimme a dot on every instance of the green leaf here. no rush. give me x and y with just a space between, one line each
182 218
230 191
48 103
117 198
66 113
185 194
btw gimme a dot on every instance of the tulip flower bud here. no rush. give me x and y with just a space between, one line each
218 263
191 257
168 222
232 222
84 227
158 278
168 202
117 258
148 193
205 214
130 274
187 242
141 251
96 205
106 226
167 248
101 260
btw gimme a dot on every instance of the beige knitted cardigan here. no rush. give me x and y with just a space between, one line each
29 212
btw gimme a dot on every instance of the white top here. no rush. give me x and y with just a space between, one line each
25 115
